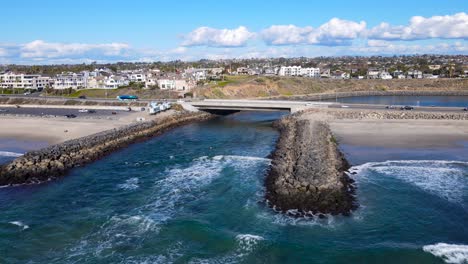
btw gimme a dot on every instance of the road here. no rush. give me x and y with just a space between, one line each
58 112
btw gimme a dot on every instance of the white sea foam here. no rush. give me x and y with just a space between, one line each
446 179
450 253
20 224
171 192
281 219
246 244
130 184
10 154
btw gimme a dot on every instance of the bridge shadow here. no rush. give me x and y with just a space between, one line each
220 112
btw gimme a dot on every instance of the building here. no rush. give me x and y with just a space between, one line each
310 72
137 77
24 81
177 85
290 71
299 71
415 74
384 75
70 80
373 73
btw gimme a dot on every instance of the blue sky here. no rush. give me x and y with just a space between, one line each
42 32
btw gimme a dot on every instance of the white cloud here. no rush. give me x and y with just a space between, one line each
206 36
285 34
334 32
445 27
42 49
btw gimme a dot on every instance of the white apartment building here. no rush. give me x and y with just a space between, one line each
310 72
290 71
299 71
70 80
24 81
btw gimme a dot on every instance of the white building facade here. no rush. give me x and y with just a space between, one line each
70 80
24 81
299 71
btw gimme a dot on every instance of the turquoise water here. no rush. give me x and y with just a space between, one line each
195 195
447 101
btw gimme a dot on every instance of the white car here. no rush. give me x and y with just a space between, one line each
83 111
27 93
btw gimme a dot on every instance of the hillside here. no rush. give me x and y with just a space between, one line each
261 87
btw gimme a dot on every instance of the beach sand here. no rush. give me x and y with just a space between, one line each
60 129
401 133
381 140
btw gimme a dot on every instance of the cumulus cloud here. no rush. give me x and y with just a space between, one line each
445 27
42 49
285 34
334 32
212 37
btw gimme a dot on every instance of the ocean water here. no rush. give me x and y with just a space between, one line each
195 195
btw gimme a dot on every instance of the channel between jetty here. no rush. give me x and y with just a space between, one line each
55 161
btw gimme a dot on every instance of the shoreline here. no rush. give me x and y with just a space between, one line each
56 160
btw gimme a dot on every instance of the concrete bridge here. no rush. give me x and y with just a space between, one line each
226 106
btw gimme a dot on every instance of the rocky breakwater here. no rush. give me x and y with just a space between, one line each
308 172
56 160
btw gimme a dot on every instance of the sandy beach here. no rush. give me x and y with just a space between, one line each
401 133
60 129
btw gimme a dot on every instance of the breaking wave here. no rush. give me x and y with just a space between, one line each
246 244
169 195
130 184
20 224
10 154
446 179
450 253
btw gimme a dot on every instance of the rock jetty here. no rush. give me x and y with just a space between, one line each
55 161
308 172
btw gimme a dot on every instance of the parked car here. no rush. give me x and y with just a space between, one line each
81 97
407 107
91 111
27 93
465 109
390 107
70 116
83 111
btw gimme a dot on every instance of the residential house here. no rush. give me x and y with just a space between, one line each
340 75
70 80
384 75
415 74
373 73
